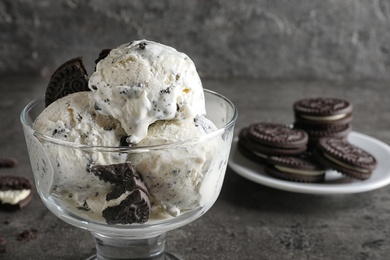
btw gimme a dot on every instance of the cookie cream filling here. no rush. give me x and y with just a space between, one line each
327 118
346 165
260 154
13 196
299 171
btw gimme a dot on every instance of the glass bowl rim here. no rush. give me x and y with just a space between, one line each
203 138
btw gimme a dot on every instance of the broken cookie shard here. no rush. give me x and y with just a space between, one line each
114 173
129 195
135 208
128 184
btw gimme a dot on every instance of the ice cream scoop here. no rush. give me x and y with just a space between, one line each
141 82
175 176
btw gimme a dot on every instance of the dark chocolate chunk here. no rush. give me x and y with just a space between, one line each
69 78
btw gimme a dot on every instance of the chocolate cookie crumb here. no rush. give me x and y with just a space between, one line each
8 162
3 242
142 45
28 235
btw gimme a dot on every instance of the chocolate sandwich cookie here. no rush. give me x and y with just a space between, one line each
15 192
314 111
135 207
294 168
70 77
344 157
245 146
315 132
260 140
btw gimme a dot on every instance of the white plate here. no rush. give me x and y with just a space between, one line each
335 183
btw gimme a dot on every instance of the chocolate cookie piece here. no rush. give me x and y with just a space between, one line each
345 157
264 139
297 169
323 110
15 192
135 207
114 173
70 77
104 53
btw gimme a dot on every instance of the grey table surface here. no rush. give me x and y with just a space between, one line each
249 220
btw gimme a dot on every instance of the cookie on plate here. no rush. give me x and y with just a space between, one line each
318 131
261 140
344 157
323 111
296 168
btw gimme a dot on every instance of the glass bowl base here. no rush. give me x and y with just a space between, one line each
165 256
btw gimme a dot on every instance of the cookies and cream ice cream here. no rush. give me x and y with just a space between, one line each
141 82
144 95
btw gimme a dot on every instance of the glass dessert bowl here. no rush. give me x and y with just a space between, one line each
129 215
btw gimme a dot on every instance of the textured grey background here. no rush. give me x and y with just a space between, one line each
278 51
316 39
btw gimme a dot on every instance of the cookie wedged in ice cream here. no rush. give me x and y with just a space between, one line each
143 94
141 82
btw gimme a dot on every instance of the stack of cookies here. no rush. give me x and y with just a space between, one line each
323 117
282 150
316 142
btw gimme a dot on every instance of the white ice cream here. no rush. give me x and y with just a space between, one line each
73 119
174 176
143 81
